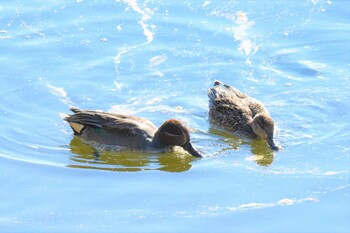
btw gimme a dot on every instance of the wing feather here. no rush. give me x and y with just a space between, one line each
124 125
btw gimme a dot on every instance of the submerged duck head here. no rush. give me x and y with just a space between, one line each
175 133
264 127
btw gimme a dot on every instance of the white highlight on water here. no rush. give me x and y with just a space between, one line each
145 16
157 60
4 37
59 92
240 33
221 210
313 65
206 3
279 72
286 201
131 110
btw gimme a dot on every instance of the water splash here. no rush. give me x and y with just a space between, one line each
147 29
156 61
135 109
145 16
240 31
56 91
282 202
247 46
3 35
59 92
222 210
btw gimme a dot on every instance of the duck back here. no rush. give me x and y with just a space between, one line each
233 110
112 129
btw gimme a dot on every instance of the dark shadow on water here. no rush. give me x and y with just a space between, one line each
263 155
87 157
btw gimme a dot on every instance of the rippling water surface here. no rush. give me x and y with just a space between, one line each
156 59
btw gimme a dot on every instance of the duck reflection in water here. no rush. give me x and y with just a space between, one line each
126 161
262 154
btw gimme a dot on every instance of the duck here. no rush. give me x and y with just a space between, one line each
127 131
240 114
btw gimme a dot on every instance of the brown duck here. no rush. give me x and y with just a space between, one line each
126 131
239 113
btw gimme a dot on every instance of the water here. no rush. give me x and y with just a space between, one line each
156 59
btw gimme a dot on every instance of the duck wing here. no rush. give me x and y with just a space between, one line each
222 93
228 107
225 109
111 128
229 90
225 97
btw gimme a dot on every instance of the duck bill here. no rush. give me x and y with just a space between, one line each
272 144
189 148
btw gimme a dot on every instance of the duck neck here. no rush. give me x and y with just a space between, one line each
249 130
156 142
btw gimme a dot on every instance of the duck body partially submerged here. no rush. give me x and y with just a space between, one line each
135 133
239 113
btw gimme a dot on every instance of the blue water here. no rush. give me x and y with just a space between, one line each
156 59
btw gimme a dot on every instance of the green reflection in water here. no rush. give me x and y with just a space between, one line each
263 155
126 161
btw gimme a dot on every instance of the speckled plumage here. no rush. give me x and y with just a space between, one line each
234 111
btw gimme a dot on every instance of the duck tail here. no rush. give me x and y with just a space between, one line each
64 116
72 120
217 83
74 109
213 93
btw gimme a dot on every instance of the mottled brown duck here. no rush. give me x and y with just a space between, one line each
241 114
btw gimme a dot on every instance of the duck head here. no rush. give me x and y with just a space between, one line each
175 133
264 127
